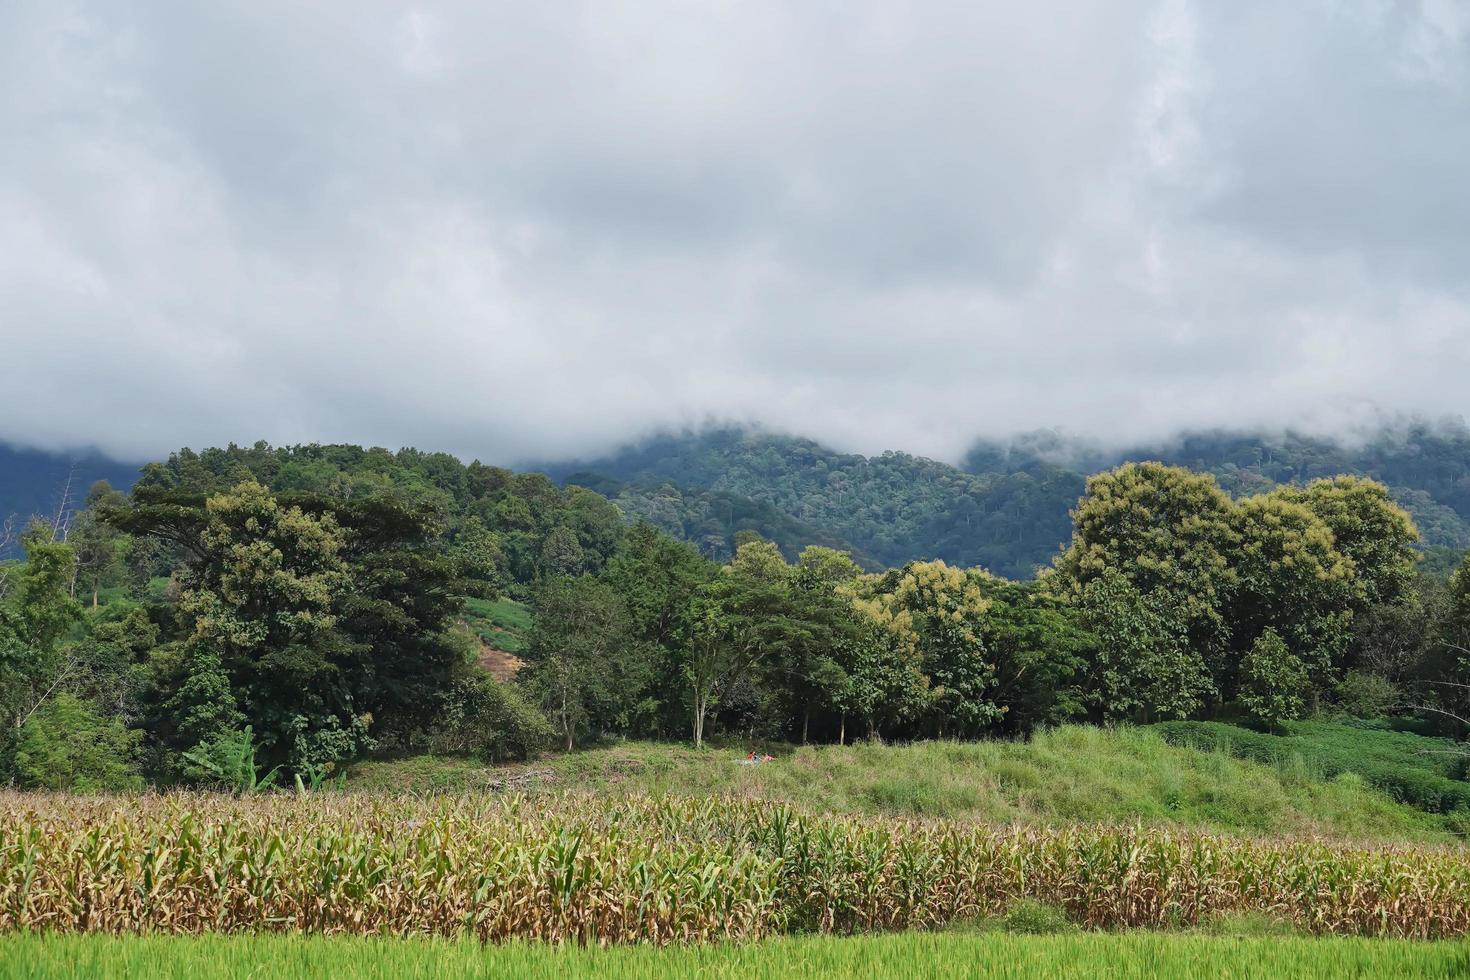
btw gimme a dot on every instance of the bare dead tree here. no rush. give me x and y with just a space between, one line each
7 538
65 511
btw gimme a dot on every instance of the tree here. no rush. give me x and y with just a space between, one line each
743 618
583 659
1166 530
561 553
1142 664
885 683
813 673
33 625
1040 648
946 610
1369 529
99 549
1273 680
322 615
1292 579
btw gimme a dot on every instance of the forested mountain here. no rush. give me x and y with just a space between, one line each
893 507
1007 508
33 483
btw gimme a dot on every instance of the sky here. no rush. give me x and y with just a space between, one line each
535 230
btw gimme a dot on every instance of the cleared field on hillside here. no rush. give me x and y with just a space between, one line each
995 955
1070 775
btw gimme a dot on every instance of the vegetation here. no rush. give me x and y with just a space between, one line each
661 871
1075 774
1424 772
335 603
995 954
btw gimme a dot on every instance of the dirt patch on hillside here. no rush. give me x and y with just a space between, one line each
499 664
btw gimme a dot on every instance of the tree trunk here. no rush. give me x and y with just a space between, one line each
806 722
699 708
842 730
566 721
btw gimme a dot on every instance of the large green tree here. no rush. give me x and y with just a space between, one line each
1166 530
1290 578
312 618
1369 529
1142 666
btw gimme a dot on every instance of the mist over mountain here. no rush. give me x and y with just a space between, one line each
1006 507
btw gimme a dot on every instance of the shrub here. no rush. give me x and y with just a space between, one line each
1273 680
1033 918
228 760
67 745
1365 695
483 717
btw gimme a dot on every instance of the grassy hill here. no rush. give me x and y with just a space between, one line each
1426 773
1075 774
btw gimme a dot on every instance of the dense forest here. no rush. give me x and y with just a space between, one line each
256 610
1007 508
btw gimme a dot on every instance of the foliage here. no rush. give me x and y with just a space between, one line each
1290 578
583 660
1366 696
1141 662
1273 680
491 721
65 745
228 760
33 623
1170 532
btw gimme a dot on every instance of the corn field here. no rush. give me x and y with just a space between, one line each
583 870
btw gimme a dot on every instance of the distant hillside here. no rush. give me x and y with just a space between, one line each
32 482
712 519
1425 465
1008 508
891 507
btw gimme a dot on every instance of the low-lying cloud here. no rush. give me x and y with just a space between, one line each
534 230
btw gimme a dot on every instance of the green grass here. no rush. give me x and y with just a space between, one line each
1075 774
993 954
1427 773
422 774
502 623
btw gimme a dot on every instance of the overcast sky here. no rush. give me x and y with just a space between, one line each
520 230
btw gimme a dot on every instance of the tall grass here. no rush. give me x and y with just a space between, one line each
582 870
1427 773
1069 775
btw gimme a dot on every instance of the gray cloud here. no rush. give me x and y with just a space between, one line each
529 230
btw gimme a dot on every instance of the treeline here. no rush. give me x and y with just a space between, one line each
255 610
1006 508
